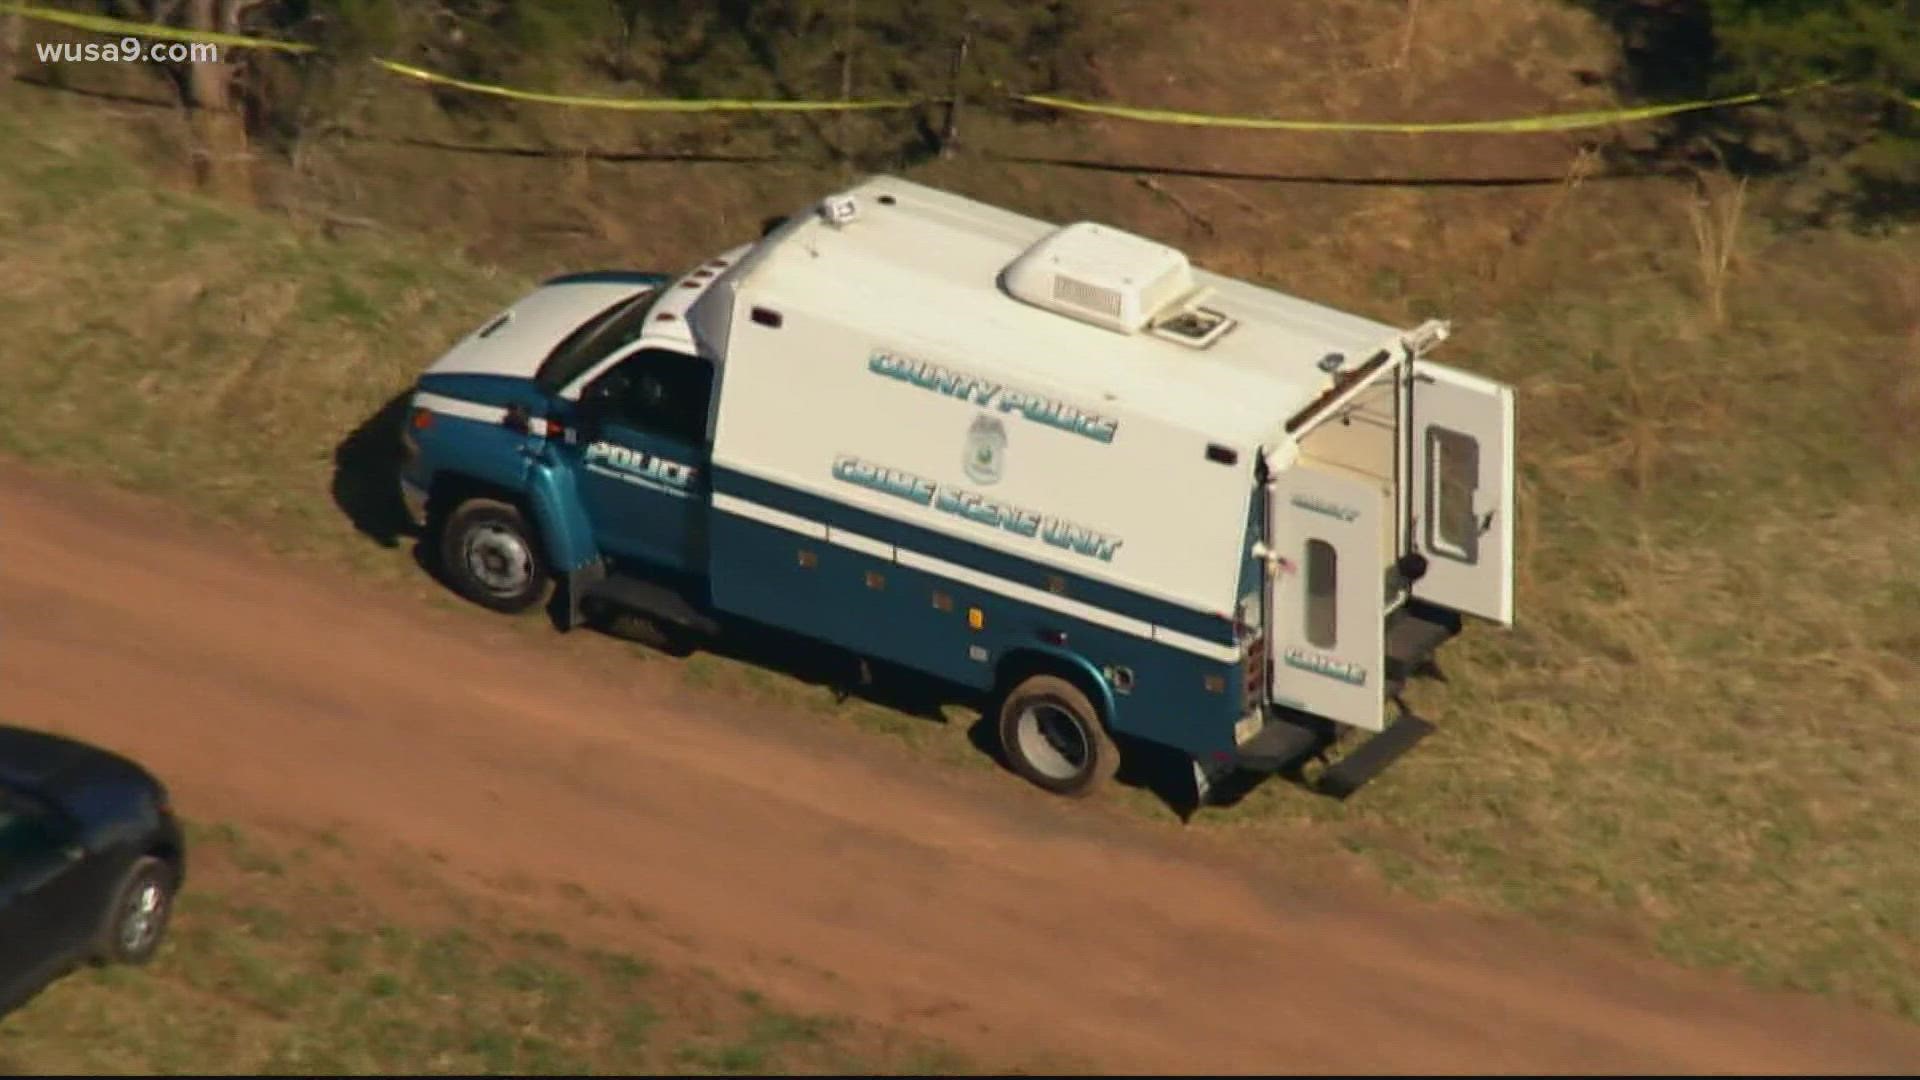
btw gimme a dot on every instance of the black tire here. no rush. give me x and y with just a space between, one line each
491 556
1053 737
136 920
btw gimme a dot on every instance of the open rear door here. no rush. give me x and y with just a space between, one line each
1462 497
1326 594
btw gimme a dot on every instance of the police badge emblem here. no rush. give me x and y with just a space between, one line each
986 450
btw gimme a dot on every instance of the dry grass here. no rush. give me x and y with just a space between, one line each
418 977
1715 214
1700 731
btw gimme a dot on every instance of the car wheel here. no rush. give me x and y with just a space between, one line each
1052 736
490 555
136 921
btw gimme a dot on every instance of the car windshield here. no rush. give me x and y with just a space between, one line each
595 340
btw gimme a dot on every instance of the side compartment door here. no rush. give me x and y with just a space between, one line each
1463 492
1327 599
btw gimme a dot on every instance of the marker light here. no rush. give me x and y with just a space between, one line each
839 209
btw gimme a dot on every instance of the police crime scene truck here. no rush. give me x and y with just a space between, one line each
1058 464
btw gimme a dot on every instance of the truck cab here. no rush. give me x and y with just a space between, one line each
1124 496
570 433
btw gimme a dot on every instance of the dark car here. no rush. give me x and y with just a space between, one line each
91 858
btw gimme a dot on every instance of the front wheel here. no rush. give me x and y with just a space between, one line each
136 921
490 556
1053 737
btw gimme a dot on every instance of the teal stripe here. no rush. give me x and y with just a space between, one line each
1207 626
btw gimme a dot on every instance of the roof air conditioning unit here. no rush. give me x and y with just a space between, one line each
1100 275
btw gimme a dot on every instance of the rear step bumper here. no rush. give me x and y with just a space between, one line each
1371 758
1278 746
1415 632
1284 745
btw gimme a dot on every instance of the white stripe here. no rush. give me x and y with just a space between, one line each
466 410
1226 654
1027 594
1000 542
866 545
486 414
1012 590
766 515
985 583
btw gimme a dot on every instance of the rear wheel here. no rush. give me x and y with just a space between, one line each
136 920
490 555
1052 736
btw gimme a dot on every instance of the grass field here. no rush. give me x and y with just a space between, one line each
1700 733
279 963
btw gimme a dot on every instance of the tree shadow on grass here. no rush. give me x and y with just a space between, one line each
1667 46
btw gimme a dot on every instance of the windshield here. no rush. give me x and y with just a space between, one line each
595 340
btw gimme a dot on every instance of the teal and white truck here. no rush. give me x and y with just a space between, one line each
1059 465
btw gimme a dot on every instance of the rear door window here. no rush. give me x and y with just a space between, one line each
1453 471
1323 594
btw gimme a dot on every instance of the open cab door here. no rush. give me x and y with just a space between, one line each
1326 547
1462 495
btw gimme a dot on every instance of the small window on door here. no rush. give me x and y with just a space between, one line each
660 392
1323 604
1453 477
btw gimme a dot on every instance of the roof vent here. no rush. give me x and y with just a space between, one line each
1101 276
1193 325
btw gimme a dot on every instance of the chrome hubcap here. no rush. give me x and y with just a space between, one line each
498 559
1053 741
142 922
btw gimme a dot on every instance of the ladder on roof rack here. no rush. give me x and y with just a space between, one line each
1348 384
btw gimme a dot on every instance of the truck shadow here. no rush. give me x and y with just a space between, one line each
365 488
925 699
366 478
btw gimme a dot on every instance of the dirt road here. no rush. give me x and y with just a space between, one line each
803 859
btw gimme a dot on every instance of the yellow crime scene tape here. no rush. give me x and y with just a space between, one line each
103 25
640 104
1520 125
